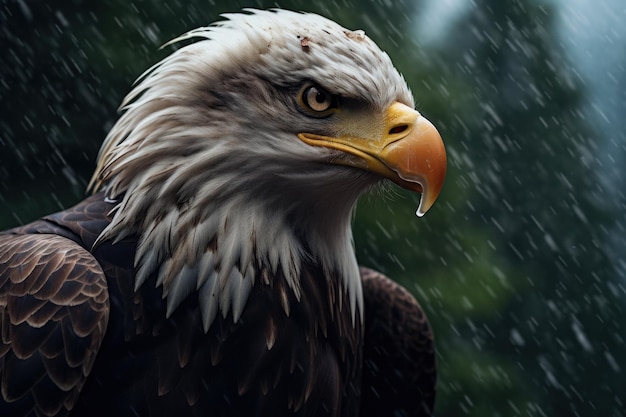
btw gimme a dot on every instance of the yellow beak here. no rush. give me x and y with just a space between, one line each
404 147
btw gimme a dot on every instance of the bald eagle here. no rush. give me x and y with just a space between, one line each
212 272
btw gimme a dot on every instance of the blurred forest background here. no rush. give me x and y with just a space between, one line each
520 263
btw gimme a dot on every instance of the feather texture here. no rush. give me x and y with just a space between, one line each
54 309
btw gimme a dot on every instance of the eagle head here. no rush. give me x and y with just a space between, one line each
247 150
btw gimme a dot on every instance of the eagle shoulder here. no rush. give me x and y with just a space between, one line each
54 310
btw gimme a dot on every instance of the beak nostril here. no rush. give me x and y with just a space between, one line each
398 129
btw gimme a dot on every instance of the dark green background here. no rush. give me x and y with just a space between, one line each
517 264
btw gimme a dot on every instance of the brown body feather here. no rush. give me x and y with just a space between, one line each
152 365
57 294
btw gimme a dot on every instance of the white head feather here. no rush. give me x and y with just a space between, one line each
209 171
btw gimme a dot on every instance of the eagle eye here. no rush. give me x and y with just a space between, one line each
317 99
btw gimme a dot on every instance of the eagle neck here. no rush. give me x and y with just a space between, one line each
220 244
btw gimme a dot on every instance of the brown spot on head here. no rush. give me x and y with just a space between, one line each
357 35
304 43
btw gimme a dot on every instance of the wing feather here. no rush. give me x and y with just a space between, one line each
399 370
54 310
